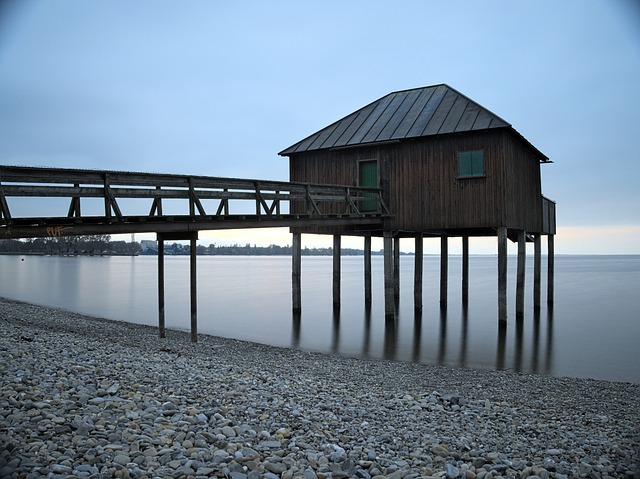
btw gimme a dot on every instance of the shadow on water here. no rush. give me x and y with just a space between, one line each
523 345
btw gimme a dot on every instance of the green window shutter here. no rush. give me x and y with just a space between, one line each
477 163
470 163
464 162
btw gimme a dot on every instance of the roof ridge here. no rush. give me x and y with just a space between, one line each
427 115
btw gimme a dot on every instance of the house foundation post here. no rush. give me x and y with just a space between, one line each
502 275
418 271
444 269
465 269
367 269
389 306
522 256
396 268
550 269
537 267
296 272
336 270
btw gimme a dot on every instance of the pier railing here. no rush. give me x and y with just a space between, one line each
99 202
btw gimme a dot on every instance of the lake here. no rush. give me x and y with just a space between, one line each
592 330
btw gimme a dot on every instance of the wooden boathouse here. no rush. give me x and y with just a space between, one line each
427 162
446 167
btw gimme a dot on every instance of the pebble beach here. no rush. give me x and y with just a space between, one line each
85 397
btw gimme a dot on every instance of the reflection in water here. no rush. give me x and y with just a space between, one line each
417 335
511 347
465 334
295 329
519 365
442 346
390 338
125 289
335 345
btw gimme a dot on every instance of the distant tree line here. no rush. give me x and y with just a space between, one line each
70 245
271 250
102 245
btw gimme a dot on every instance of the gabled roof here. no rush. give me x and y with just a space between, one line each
432 110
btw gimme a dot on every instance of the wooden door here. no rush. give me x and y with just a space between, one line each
368 176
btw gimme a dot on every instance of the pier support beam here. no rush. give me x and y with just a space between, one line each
465 269
161 329
502 275
444 269
522 257
194 288
550 269
389 307
192 236
296 272
417 272
537 266
336 270
367 270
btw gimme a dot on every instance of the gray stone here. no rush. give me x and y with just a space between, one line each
451 471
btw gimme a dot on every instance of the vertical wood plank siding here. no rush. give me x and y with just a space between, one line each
421 185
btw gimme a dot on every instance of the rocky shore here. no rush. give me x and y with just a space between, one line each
89 398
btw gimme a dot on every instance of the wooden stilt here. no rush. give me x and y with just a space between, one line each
465 269
550 268
389 307
367 269
502 275
417 273
396 267
336 270
296 272
537 260
161 329
522 255
444 269
194 292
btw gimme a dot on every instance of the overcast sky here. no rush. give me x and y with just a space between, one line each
219 88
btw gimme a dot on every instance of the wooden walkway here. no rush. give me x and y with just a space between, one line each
98 203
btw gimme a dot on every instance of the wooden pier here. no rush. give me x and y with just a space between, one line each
180 206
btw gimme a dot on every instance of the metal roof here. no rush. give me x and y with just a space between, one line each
432 110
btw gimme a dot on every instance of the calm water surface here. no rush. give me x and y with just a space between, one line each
592 331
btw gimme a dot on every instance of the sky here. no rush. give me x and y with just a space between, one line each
218 88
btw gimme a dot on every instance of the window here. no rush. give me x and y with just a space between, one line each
470 163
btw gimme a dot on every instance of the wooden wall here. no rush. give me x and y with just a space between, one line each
421 185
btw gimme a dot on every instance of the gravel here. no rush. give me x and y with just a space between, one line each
84 397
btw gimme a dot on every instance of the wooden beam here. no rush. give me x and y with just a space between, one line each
537 266
418 271
296 272
389 303
161 328
465 269
194 290
522 256
336 270
502 275
444 269
550 269
367 269
396 267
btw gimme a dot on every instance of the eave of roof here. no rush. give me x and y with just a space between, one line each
415 113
